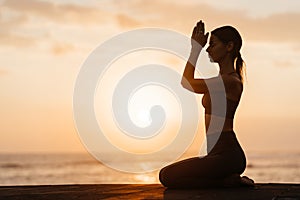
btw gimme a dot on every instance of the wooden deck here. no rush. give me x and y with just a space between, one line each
149 191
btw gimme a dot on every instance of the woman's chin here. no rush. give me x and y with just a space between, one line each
211 60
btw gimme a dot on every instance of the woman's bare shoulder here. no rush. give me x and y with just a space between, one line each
233 85
232 79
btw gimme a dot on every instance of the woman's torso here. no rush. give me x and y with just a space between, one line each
221 112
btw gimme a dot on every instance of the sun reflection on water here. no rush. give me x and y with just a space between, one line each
145 178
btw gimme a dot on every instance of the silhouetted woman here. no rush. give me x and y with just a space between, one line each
225 161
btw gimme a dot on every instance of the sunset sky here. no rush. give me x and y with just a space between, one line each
44 43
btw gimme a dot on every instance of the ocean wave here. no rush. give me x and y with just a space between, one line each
11 165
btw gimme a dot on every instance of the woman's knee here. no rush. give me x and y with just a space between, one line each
164 177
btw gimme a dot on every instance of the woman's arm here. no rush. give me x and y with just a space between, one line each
198 41
188 81
201 86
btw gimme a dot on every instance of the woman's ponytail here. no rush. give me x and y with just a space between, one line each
239 66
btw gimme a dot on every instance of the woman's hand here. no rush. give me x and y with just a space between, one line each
198 37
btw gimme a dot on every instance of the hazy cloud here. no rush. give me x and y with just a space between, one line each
17 18
11 39
60 13
9 22
62 48
284 63
3 72
278 28
296 47
126 21
284 27
175 15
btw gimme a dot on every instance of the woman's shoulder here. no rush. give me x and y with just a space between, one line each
233 84
232 79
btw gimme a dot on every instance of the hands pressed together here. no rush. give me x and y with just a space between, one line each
198 36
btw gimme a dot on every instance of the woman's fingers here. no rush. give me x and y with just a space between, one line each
199 33
195 29
200 26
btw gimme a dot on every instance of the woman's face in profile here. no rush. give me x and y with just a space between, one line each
216 49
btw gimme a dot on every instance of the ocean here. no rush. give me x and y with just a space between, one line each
82 168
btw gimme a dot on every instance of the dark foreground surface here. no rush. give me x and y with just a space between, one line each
149 191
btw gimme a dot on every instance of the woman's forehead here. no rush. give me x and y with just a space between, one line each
213 38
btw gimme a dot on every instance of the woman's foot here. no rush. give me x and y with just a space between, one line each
246 181
235 180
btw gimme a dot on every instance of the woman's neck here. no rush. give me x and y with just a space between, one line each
226 66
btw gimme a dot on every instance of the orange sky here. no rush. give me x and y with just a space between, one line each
44 43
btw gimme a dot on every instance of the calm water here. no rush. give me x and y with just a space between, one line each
25 169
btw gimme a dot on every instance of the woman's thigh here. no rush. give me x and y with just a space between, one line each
206 167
